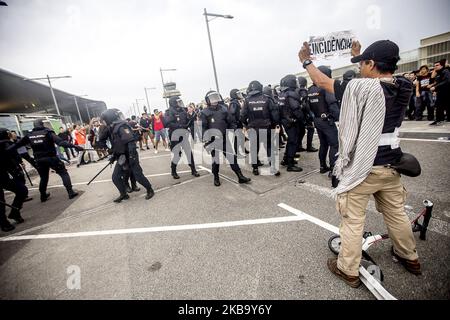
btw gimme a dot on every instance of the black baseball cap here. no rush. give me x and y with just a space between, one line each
380 51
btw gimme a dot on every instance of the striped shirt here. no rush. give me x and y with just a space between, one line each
361 124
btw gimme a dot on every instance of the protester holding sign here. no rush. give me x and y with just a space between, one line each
372 112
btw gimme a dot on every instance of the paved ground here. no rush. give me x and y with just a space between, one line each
211 256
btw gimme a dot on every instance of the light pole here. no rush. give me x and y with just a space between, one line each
146 96
78 109
137 105
206 14
48 78
162 80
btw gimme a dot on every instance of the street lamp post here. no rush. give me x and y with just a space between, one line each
146 96
162 80
206 14
48 78
78 109
137 105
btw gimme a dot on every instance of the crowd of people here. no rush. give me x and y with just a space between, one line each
430 93
361 158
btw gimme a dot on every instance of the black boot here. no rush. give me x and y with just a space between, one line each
150 194
44 197
311 149
242 178
174 172
122 197
194 172
6 226
256 171
284 162
216 181
128 189
135 188
72 194
324 168
15 215
292 167
301 149
260 164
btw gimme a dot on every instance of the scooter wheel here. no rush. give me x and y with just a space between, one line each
334 243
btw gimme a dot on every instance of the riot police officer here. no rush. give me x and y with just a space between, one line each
308 125
42 141
340 87
123 142
261 114
216 117
234 108
291 115
11 179
178 121
326 111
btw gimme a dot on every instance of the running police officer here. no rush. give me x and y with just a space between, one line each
178 121
308 125
261 114
326 111
123 150
11 179
42 141
216 117
291 114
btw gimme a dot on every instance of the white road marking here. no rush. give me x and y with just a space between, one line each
109 180
423 140
312 219
153 229
100 208
369 281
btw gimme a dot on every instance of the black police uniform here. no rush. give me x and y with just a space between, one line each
326 111
291 114
234 109
177 118
123 142
306 127
42 141
260 113
217 117
11 179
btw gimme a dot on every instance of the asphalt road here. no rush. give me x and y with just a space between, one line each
279 258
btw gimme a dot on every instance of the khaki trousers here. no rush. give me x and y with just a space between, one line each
390 197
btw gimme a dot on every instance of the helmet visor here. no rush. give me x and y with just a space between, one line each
214 98
180 103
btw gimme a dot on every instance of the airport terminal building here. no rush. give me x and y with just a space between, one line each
22 101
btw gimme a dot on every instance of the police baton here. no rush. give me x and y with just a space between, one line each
26 173
8 205
109 163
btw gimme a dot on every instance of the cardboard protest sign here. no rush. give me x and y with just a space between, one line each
332 45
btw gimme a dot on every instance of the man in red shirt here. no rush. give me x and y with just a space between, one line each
160 132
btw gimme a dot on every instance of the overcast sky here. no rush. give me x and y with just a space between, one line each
113 48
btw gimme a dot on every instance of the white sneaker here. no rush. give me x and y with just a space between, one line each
167 149
156 151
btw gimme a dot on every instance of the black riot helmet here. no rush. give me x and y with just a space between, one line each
38 123
325 70
213 98
254 88
236 94
349 75
111 115
268 91
289 82
302 82
4 134
173 101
